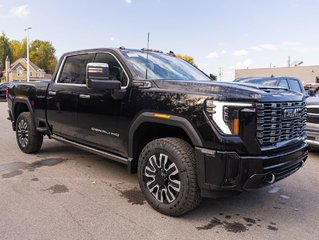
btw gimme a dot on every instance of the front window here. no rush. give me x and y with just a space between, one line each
162 67
116 72
294 85
74 69
284 84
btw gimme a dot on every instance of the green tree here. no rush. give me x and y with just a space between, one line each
42 55
5 50
16 49
186 58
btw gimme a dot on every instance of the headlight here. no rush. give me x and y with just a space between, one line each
226 115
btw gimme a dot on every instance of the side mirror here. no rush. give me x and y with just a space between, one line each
213 77
312 92
97 77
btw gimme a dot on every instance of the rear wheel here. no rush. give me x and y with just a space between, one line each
167 176
29 140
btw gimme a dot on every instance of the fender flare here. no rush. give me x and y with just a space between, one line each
175 121
21 99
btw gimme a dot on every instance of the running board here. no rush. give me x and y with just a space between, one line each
92 150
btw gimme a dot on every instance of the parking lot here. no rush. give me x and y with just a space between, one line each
65 193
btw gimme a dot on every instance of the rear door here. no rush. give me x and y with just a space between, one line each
62 96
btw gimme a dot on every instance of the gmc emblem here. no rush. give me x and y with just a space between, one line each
291 113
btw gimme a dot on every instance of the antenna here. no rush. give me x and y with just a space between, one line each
147 50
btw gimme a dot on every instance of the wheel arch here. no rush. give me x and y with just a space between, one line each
21 104
146 128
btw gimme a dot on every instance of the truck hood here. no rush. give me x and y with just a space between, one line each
230 91
312 101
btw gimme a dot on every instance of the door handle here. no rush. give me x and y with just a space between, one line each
52 93
85 96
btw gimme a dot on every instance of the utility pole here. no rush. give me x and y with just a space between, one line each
220 72
7 66
288 61
28 60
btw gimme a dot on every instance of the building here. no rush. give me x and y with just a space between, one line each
17 71
307 74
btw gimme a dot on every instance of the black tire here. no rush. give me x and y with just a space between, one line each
167 191
29 140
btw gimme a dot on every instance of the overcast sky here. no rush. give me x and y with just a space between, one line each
224 34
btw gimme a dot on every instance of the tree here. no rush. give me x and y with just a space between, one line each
187 59
42 55
17 49
5 50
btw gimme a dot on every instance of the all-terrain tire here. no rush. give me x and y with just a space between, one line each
29 140
171 159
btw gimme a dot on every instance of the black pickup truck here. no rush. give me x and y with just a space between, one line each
186 136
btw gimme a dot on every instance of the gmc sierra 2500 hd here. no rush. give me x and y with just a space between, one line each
186 137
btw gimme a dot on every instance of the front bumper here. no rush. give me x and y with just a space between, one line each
226 172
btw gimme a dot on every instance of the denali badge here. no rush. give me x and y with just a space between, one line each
291 113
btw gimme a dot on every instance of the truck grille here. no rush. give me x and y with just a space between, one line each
273 127
313 114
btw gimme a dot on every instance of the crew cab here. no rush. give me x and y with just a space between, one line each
186 136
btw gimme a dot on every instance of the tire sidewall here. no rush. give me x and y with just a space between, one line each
34 139
174 157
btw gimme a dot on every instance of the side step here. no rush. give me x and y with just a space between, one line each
93 150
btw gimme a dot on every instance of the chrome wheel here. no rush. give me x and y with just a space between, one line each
23 133
161 176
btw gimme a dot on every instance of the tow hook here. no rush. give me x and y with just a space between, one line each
270 178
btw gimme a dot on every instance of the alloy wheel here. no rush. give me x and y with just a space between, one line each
23 133
162 179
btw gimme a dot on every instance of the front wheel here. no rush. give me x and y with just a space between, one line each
167 176
29 140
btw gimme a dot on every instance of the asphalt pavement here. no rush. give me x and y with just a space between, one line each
66 193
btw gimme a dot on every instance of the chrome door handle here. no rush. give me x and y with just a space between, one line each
52 93
84 96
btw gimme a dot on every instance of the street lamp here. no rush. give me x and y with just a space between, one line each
28 61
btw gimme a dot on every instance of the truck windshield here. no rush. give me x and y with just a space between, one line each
162 67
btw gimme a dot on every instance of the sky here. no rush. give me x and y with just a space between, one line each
220 35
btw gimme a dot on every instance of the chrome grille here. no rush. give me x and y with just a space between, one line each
313 114
272 128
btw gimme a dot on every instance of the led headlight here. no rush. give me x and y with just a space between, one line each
226 115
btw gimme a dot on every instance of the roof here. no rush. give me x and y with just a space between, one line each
18 65
111 50
252 78
18 61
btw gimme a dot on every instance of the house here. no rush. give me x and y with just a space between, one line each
18 71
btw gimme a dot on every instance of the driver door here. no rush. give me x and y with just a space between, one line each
99 114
